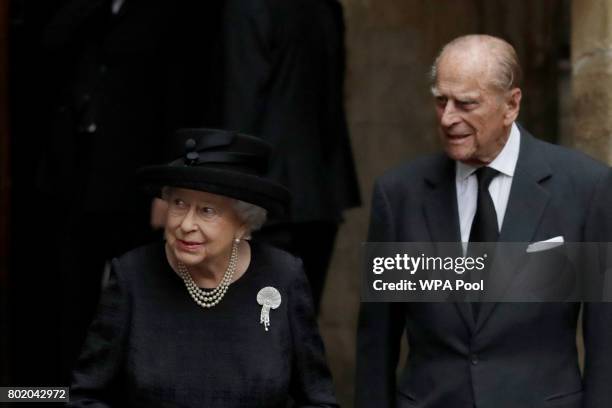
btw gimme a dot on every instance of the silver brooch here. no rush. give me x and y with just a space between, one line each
268 298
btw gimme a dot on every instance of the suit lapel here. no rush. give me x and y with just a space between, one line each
442 217
526 205
440 206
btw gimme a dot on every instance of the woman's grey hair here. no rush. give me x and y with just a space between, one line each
507 72
252 215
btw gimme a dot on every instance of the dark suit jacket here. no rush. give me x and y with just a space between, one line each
516 354
284 83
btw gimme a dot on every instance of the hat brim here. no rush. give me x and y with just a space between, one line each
245 187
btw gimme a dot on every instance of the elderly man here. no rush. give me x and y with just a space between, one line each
495 182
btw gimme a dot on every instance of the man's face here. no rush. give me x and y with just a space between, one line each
474 118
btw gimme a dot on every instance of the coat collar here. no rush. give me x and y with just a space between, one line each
440 204
442 217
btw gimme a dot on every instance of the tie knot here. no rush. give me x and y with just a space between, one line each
485 176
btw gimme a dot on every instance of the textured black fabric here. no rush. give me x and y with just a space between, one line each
81 264
284 82
221 162
312 242
153 346
246 187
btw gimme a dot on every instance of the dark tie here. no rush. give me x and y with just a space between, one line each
484 225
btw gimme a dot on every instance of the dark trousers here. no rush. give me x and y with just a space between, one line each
313 242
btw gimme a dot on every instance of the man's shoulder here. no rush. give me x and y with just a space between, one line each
415 171
569 161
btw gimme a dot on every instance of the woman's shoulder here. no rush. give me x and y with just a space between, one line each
277 261
139 260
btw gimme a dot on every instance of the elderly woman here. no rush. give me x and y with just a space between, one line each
207 318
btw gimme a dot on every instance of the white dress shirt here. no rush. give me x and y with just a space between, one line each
499 189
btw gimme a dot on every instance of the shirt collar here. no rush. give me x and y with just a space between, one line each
505 162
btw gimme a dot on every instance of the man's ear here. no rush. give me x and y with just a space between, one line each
513 105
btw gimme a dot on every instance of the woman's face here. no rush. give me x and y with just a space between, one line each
200 227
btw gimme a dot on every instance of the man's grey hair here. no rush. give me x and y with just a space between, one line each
507 72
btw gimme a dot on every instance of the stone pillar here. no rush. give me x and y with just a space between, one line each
591 45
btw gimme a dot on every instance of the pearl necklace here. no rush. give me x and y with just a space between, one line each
210 298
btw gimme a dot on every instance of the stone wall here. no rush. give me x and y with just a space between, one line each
592 77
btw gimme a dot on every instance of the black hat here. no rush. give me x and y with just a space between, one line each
220 162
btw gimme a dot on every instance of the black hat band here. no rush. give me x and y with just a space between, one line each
244 162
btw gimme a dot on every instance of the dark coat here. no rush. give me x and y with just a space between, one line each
151 345
284 83
128 81
515 355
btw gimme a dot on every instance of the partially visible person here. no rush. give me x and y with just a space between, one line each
494 182
284 67
130 72
207 318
